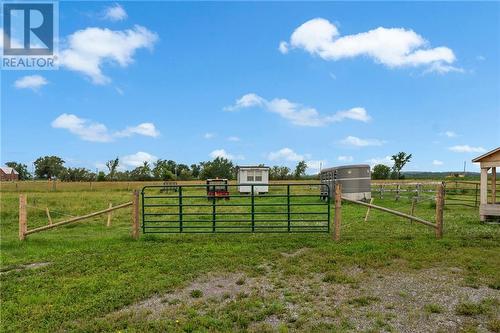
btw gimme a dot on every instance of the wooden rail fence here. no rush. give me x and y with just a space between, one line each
437 226
23 217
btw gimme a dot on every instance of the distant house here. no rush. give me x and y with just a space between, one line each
8 174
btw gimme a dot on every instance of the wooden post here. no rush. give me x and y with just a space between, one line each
368 210
108 224
398 188
23 216
338 212
412 211
493 185
483 191
48 215
439 210
135 214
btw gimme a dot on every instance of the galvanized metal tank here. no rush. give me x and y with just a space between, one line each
355 181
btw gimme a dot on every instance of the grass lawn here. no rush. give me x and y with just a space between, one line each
385 275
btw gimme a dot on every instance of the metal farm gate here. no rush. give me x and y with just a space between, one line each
287 208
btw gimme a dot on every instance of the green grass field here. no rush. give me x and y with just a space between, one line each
385 275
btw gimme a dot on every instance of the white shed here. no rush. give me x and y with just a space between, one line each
248 175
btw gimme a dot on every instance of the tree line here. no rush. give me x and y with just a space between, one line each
53 167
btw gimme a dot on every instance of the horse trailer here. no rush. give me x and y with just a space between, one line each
355 181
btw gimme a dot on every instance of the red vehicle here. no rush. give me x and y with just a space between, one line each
217 188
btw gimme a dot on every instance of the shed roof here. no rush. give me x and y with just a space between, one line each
353 166
9 170
491 156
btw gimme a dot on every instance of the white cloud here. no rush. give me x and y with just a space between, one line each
33 82
437 162
283 47
90 48
224 154
146 129
285 154
345 158
358 142
449 134
83 128
392 47
380 160
467 149
234 139
137 159
209 136
96 132
480 58
115 13
296 113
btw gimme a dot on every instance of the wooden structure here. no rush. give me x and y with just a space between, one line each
488 161
8 174
23 217
437 226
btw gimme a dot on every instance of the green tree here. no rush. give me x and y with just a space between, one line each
164 170
48 167
218 168
76 175
101 176
142 172
112 166
400 160
195 170
300 169
381 171
22 170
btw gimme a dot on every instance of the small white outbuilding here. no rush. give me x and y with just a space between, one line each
248 175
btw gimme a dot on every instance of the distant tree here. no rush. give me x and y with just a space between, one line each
48 167
400 160
195 170
76 175
101 176
183 171
22 170
220 167
142 172
164 170
381 171
112 166
300 169
279 172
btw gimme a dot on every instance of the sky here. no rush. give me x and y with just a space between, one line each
269 82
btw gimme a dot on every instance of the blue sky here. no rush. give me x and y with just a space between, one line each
272 83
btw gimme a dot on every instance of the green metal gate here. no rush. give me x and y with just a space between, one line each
286 208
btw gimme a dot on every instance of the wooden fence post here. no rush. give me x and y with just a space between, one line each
368 210
412 211
398 189
439 210
23 216
48 215
108 223
338 212
135 214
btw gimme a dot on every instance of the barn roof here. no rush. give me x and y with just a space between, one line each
9 170
488 154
